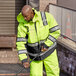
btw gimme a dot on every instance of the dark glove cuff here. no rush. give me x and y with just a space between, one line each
24 60
45 46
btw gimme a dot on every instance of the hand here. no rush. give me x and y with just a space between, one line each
26 64
43 49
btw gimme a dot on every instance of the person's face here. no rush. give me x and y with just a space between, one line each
27 16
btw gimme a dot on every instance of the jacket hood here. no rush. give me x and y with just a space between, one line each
20 18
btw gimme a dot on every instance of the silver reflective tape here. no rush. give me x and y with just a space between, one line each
54 28
42 14
49 49
42 41
44 18
35 44
19 39
22 52
32 45
52 38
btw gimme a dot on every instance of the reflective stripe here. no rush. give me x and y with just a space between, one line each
35 44
44 18
54 29
42 53
42 41
52 38
32 44
50 48
21 39
22 51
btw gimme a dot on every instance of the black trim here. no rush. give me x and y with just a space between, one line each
52 37
27 28
35 27
38 47
35 49
44 45
52 28
26 36
24 60
43 55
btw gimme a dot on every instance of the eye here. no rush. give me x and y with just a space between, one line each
25 16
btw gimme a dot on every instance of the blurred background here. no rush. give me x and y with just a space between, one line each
64 12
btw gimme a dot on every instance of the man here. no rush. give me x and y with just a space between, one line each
37 34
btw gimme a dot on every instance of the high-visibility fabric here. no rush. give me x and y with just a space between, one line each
36 68
22 51
44 18
21 44
36 31
54 29
21 39
50 64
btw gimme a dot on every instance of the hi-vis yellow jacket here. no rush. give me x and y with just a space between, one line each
43 30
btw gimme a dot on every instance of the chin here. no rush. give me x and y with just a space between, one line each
29 20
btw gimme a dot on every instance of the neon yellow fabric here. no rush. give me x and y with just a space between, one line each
36 68
20 45
42 31
50 63
52 23
22 56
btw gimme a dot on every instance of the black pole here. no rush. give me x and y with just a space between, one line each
27 2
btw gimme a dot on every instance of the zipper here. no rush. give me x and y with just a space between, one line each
35 28
37 36
36 31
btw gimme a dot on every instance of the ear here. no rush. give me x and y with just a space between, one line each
31 12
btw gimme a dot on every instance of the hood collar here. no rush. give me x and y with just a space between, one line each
36 12
35 18
20 18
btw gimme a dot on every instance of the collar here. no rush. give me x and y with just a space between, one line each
36 16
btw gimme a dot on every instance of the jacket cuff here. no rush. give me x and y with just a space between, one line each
24 60
45 46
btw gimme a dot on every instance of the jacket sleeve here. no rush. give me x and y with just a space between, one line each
54 31
21 41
